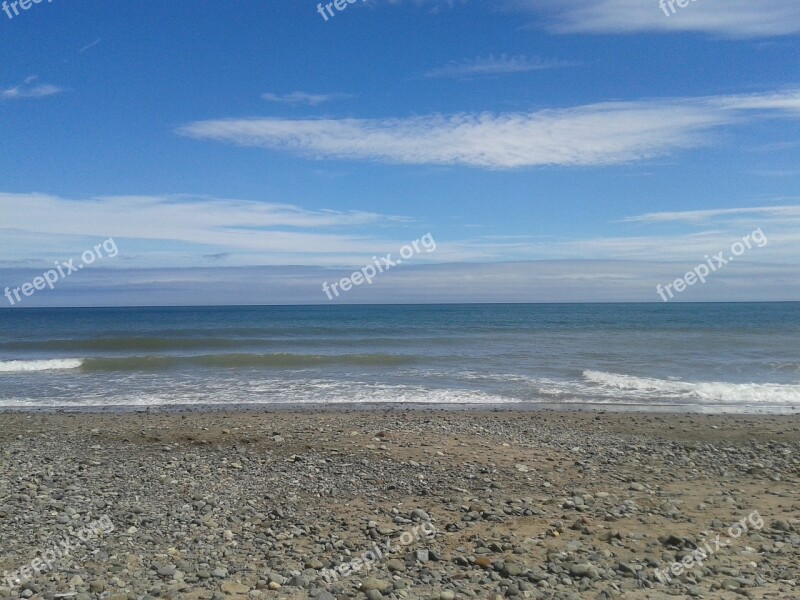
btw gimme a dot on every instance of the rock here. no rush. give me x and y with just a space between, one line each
300 581
372 583
420 515
233 588
780 525
584 570
513 569
314 564
396 565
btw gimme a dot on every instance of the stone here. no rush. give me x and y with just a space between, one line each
372 583
233 588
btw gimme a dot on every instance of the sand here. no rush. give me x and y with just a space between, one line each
530 504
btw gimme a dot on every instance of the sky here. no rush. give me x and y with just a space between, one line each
248 152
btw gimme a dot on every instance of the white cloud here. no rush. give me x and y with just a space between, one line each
503 65
781 213
188 228
184 231
591 135
540 281
788 101
729 18
212 251
30 89
303 98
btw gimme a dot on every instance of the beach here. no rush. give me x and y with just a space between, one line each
502 304
391 502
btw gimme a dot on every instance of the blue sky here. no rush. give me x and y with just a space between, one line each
246 152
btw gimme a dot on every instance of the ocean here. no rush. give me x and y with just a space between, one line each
686 357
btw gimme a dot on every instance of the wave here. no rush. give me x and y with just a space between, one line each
21 366
226 361
598 387
704 392
270 392
210 344
125 344
230 361
786 366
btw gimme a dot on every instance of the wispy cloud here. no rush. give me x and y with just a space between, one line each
264 232
531 281
503 65
779 101
729 18
30 89
235 251
437 6
781 213
303 98
89 46
591 135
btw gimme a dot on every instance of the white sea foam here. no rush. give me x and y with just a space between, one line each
268 391
598 387
436 387
711 392
19 366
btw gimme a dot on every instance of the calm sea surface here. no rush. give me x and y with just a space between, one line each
706 357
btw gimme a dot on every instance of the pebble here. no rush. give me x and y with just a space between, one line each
523 505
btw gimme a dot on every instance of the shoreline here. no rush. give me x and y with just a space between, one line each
567 407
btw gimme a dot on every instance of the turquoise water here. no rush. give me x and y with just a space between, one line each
708 357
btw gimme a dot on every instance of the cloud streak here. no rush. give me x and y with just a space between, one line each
185 231
781 213
503 65
30 89
539 281
728 18
592 135
186 228
296 98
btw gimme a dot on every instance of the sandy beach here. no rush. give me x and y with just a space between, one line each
399 503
